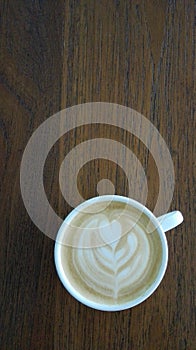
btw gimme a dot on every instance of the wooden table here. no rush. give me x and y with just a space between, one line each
57 54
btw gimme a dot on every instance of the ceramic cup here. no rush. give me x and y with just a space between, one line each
74 285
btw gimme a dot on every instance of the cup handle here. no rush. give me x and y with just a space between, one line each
170 220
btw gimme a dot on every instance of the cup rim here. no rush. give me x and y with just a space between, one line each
112 307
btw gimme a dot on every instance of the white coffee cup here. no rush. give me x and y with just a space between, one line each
163 223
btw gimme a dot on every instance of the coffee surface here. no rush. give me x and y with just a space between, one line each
113 258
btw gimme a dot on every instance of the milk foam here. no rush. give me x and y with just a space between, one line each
111 268
123 265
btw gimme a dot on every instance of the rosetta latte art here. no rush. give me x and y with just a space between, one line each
123 266
113 267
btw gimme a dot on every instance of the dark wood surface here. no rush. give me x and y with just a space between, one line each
56 54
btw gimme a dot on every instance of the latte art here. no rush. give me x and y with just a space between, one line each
124 264
111 269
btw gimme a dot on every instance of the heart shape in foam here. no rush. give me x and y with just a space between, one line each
110 232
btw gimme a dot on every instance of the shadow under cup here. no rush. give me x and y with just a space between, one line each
111 253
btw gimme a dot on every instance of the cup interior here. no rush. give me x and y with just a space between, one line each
64 278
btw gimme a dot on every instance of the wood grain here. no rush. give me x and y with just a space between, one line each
55 55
